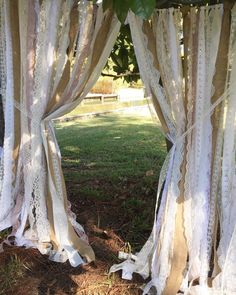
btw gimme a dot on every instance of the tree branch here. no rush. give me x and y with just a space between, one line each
120 75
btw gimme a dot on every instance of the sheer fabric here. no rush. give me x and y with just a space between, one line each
184 79
51 54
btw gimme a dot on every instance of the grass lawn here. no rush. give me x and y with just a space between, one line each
115 158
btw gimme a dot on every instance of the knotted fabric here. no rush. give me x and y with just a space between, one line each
51 54
187 63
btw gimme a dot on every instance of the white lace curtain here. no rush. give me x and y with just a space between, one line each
51 54
187 62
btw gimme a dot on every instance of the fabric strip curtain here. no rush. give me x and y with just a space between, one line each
51 54
187 62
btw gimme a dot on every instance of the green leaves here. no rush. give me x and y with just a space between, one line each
107 4
142 8
121 7
122 60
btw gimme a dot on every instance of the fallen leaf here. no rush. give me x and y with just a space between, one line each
149 173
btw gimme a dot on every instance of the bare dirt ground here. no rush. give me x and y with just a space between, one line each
33 274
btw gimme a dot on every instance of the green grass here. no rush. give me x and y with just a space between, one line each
12 271
113 146
4 234
116 156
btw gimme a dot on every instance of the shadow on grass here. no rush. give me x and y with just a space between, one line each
110 141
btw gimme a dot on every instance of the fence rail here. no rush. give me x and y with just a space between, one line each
102 98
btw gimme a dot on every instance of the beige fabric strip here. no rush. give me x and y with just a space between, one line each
53 239
219 79
180 250
97 48
66 72
147 30
15 35
179 255
101 38
73 33
61 86
49 205
83 247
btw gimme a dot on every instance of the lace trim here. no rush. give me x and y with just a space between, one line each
145 60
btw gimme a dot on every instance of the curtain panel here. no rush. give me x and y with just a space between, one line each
51 54
187 62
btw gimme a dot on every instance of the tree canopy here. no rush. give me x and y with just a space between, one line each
122 59
144 8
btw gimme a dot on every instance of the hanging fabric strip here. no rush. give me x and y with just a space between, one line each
6 196
49 60
186 100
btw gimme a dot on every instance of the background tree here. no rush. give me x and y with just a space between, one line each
122 59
